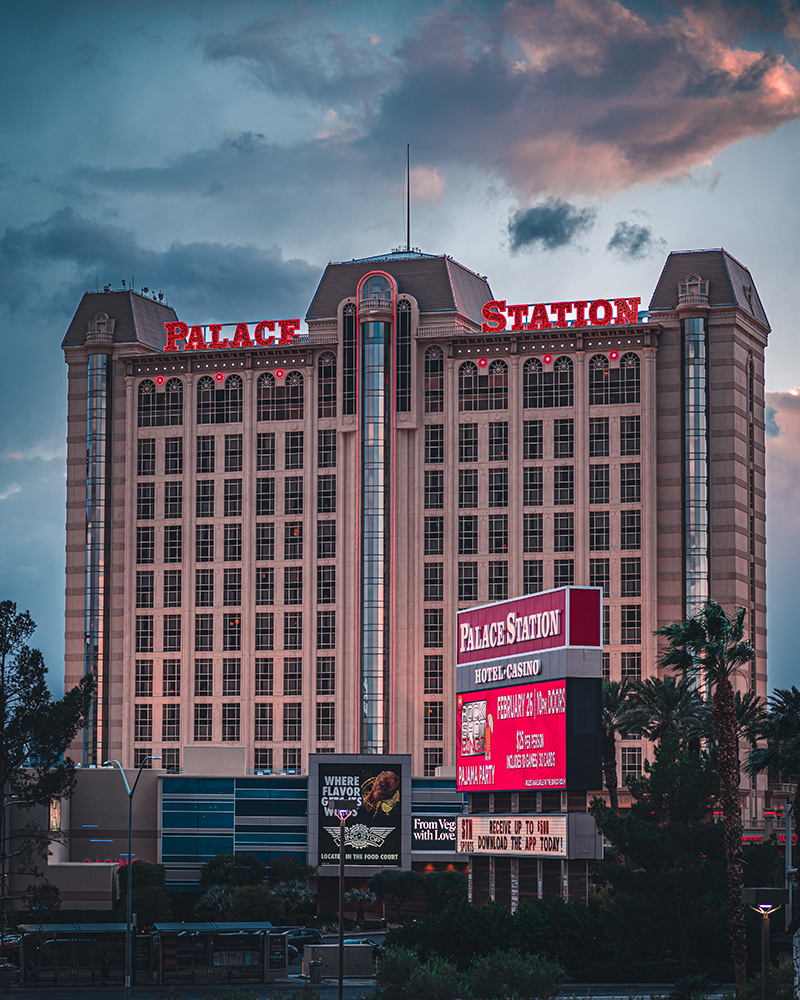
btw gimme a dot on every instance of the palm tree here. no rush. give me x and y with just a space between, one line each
217 898
614 719
711 646
663 704
780 727
359 896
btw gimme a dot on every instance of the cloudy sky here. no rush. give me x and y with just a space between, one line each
225 152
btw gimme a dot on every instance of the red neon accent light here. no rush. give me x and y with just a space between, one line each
548 359
492 312
160 380
613 355
483 362
219 377
280 373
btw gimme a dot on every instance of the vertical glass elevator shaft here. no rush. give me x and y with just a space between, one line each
695 465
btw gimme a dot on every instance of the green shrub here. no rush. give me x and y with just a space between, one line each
402 976
510 974
781 985
695 987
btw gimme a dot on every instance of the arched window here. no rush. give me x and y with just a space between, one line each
377 289
280 399
402 364
434 380
326 385
532 384
630 378
219 403
614 385
598 380
160 408
483 389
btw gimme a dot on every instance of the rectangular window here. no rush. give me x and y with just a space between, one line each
203 633
326 630
231 677
598 531
265 676
467 535
606 668
532 576
202 723
434 720
563 532
143 723
326 675
173 499
203 678
293 540
262 759
265 452
204 588
434 489
630 529
326 720
631 669
563 572
434 759
434 674
498 441
498 487
630 483
293 585
265 585
293 495
563 438
170 723
233 498
434 627
293 630
204 503
498 581
232 543
205 455
263 723
631 577
293 451
326 449
173 457
292 675
498 533
434 582
231 722
146 457
232 588
140 757
172 588
326 494
563 484
598 484
434 536
144 633
532 440
468 581
326 584
468 442
145 545
233 452
606 625
173 543
434 443
467 488
292 723
598 437
172 633
532 533
232 632
631 760
265 542
326 539
144 678
630 624
145 501
630 436
599 575
145 589
532 490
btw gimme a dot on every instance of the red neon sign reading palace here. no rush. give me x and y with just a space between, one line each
196 341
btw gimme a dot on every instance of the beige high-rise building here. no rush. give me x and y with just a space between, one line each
267 543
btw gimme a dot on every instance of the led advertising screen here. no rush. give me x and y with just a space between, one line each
530 835
512 737
433 833
373 835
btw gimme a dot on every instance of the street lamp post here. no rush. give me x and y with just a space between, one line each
765 900
344 808
130 791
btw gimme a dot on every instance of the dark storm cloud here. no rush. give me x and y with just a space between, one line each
771 428
215 281
632 241
549 226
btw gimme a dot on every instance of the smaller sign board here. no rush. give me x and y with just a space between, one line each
433 833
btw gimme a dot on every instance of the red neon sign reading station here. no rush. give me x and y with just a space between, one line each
600 313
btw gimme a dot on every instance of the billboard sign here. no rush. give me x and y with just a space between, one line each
531 835
373 836
433 833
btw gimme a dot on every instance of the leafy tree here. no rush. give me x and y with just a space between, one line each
35 731
614 721
151 904
511 974
256 902
144 874
359 896
401 976
395 885
217 898
287 868
294 895
233 869
442 887
711 646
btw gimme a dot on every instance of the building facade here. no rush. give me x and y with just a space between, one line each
268 542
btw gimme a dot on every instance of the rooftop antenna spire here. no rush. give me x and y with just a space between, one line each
408 197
